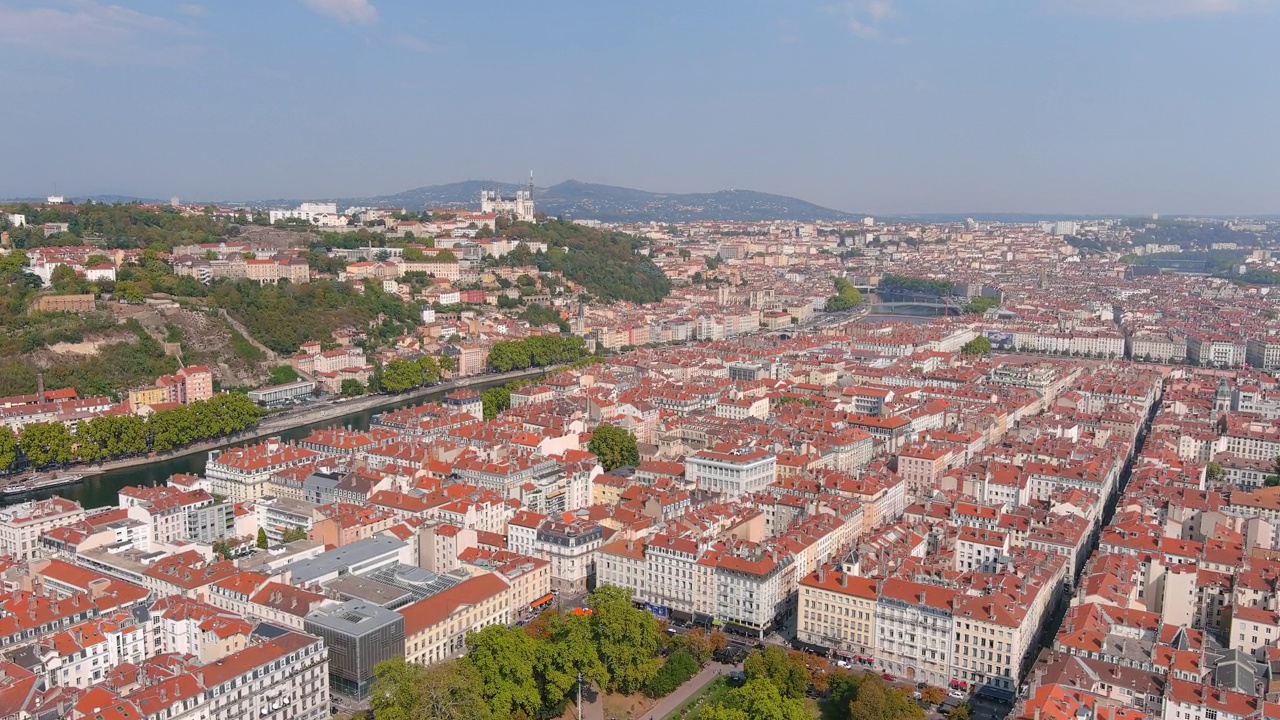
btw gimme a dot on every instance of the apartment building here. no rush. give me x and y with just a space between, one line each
980 549
753 588
81 655
244 473
570 544
837 610
436 627
992 640
732 474
190 384
914 631
279 676
21 525
1215 350
1263 352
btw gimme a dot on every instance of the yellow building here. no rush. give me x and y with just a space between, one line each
147 396
607 489
436 627
838 611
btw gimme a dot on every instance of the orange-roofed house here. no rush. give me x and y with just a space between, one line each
837 611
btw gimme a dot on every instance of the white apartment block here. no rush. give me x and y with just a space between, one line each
980 550
81 655
243 473
1263 352
22 524
1215 351
284 678
752 593
312 212
914 631
731 474
1157 348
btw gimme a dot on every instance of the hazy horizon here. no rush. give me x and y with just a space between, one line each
888 107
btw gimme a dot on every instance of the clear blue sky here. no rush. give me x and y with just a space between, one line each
882 106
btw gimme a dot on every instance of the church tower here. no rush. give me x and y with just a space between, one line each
1222 399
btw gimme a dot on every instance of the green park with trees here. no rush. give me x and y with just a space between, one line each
532 672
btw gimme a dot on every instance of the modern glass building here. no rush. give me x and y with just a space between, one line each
359 635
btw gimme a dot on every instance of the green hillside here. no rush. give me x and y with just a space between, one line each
605 262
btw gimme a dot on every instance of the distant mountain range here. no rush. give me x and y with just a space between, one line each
607 203
578 200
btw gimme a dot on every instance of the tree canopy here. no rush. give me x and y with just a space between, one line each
284 316
109 437
444 691
605 262
536 351
900 286
981 304
846 297
533 671
614 446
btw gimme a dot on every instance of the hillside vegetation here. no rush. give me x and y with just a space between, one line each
284 316
605 262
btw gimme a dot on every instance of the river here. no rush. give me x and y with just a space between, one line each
912 314
101 490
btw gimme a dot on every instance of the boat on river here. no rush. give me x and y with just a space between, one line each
40 482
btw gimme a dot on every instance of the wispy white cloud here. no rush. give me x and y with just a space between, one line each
863 18
96 32
354 11
193 10
1165 9
416 44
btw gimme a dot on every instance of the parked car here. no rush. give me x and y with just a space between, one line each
889 677
842 664
957 694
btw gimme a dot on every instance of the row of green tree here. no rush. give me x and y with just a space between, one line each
847 296
533 672
401 375
536 351
109 437
895 286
